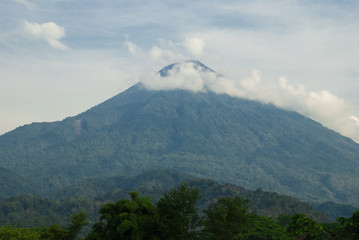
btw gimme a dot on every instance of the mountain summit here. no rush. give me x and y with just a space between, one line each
176 67
189 75
201 132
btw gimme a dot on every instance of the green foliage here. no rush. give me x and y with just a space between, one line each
12 233
12 184
265 229
126 219
36 211
55 232
353 225
283 220
305 228
175 216
348 227
227 219
178 214
78 221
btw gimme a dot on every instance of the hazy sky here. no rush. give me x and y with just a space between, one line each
61 57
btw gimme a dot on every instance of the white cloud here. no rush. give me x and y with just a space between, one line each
132 48
50 32
26 3
157 53
189 76
194 45
322 106
355 120
182 76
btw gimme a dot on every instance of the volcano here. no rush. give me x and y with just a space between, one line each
202 133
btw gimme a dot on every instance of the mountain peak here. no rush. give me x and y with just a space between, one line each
188 75
175 67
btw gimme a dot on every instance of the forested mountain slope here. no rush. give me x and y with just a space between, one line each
205 134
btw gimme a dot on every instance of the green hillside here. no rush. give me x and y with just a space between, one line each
37 211
12 184
204 134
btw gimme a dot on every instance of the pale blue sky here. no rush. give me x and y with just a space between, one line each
61 57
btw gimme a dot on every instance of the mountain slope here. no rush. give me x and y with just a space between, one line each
205 134
12 184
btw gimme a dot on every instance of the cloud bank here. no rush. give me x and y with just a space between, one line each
50 32
322 106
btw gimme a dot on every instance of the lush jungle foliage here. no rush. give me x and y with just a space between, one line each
176 217
54 232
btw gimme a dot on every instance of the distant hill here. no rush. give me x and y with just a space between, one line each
204 134
36 211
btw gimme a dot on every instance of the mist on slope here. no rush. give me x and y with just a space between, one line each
322 106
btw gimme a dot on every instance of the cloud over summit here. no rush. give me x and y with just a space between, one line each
321 106
190 75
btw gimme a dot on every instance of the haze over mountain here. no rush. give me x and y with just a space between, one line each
182 118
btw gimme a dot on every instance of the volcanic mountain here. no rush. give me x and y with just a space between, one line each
195 131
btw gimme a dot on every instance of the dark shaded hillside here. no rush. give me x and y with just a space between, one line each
333 210
38 211
150 182
204 134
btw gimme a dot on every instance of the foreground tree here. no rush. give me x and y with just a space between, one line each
178 214
305 228
55 232
347 228
78 221
227 219
127 219
264 228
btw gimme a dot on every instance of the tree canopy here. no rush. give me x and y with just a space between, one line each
176 217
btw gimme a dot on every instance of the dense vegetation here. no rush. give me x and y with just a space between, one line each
176 216
204 134
54 232
37 211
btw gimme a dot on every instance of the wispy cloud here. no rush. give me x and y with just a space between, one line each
26 3
50 32
132 47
